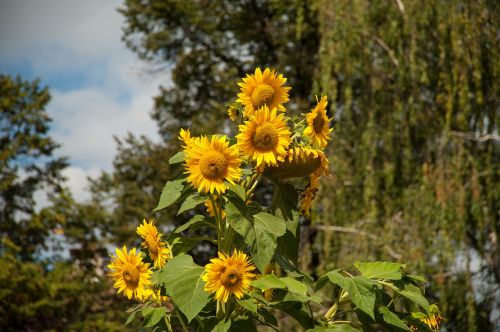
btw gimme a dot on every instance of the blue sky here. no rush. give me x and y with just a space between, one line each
99 88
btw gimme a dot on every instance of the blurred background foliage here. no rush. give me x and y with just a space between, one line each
414 91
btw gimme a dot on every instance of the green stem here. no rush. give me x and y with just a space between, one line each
217 222
181 320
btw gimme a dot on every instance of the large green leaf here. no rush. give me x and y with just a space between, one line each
295 286
267 229
153 315
170 193
194 220
360 289
414 294
380 270
285 199
248 303
391 318
236 216
222 326
288 244
268 281
182 280
191 202
177 158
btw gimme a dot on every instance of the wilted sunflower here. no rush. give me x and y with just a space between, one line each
318 124
432 320
301 161
210 162
263 88
131 274
265 137
228 275
308 196
158 252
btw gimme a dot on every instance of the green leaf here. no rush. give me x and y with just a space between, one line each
392 318
248 303
182 280
191 202
298 312
196 219
131 317
153 315
288 244
268 281
285 199
360 290
238 190
414 294
177 158
267 229
295 286
380 270
222 326
236 212
170 193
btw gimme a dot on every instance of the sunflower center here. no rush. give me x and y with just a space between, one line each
213 165
230 277
318 123
266 137
262 95
131 275
152 245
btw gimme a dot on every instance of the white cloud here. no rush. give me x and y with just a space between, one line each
98 87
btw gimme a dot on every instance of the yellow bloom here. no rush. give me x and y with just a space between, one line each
318 124
228 275
265 137
301 161
157 297
263 88
158 252
433 320
308 196
185 136
131 274
210 208
232 112
210 162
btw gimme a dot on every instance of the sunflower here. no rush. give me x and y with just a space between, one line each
185 136
263 88
318 124
228 275
265 137
158 252
232 112
301 161
210 162
432 320
131 274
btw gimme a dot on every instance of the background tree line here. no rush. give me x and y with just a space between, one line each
413 89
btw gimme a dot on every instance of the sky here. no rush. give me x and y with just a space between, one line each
99 88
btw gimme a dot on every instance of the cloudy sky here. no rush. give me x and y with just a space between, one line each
99 88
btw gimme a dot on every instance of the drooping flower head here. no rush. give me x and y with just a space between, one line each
432 320
210 162
264 137
131 274
158 251
228 275
263 88
301 161
318 129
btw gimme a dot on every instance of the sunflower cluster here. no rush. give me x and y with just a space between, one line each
270 141
132 275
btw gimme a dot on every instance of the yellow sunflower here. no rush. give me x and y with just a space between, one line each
264 137
158 252
210 162
228 275
185 136
318 124
232 112
263 88
131 274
